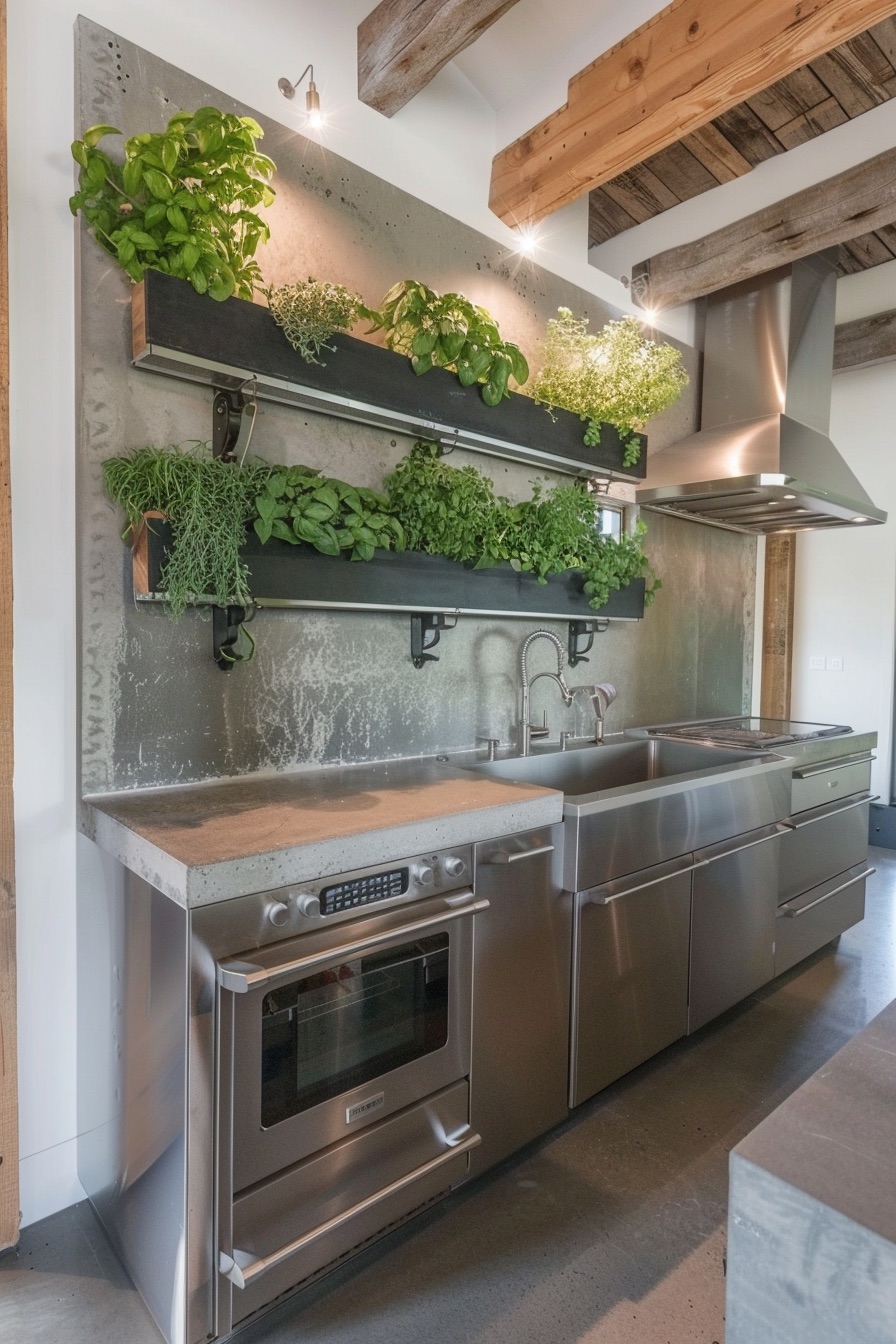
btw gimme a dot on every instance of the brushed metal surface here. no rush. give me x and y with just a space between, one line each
132 1051
733 924
607 838
836 904
630 975
520 996
824 842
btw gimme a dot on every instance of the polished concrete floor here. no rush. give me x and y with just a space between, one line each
611 1231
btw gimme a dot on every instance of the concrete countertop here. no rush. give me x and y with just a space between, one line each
812 1206
210 842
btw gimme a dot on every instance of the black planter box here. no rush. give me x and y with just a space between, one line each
188 335
407 581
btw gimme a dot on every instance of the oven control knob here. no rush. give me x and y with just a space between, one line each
423 875
278 913
308 905
454 865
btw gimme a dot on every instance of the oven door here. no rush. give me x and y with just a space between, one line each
324 1034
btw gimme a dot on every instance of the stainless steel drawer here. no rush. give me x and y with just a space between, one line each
827 780
285 1229
807 922
825 841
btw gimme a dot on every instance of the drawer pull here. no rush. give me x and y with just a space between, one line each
514 856
827 816
810 771
789 912
243 1268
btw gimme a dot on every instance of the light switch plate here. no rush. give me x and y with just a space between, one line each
816 664
835 664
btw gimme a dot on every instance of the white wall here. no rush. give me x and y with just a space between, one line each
430 149
846 580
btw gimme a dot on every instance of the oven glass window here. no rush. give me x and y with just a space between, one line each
341 1028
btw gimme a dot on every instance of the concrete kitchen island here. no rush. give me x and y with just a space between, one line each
812 1209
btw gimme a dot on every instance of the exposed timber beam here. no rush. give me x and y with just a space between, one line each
403 44
855 202
674 74
868 340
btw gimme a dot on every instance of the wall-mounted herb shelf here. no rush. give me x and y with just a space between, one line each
298 576
223 345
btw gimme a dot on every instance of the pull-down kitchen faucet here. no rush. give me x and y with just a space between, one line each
528 730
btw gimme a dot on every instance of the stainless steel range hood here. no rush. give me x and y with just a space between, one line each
762 461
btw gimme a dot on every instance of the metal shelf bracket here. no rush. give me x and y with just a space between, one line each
581 638
426 627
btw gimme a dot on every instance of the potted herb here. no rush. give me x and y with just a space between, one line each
454 511
208 504
311 311
182 201
447 331
618 376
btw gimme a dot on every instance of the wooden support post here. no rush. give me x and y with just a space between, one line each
777 626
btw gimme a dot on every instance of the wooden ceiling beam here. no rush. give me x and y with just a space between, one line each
847 206
403 44
868 340
691 62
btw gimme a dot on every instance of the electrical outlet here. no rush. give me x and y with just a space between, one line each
816 664
835 664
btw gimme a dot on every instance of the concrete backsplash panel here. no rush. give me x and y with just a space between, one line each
337 687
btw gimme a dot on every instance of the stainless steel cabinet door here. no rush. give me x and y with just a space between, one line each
520 995
630 975
733 923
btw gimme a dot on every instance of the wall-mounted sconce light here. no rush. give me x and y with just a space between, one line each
312 97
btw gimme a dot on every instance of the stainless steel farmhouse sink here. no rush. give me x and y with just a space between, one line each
637 802
593 769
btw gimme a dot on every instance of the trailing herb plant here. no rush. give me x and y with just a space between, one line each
447 331
617 376
183 200
298 504
208 504
455 512
310 311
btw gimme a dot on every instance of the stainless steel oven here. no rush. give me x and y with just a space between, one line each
343 1060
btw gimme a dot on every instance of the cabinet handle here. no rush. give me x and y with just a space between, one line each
809 771
241 976
595 899
508 856
779 829
826 816
243 1268
790 913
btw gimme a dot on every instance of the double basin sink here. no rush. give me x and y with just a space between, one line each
636 802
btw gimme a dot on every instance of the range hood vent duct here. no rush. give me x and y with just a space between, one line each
762 461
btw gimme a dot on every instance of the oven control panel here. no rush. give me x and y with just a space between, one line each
350 894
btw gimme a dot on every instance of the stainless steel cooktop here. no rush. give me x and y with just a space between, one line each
752 732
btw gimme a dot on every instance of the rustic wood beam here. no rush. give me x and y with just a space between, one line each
403 44
777 626
689 63
853 203
9 1116
868 340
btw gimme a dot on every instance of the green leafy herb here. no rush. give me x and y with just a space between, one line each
208 504
311 311
183 201
617 376
298 504
447 331
454 512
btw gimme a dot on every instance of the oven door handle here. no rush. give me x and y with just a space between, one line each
241 976
243 1268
